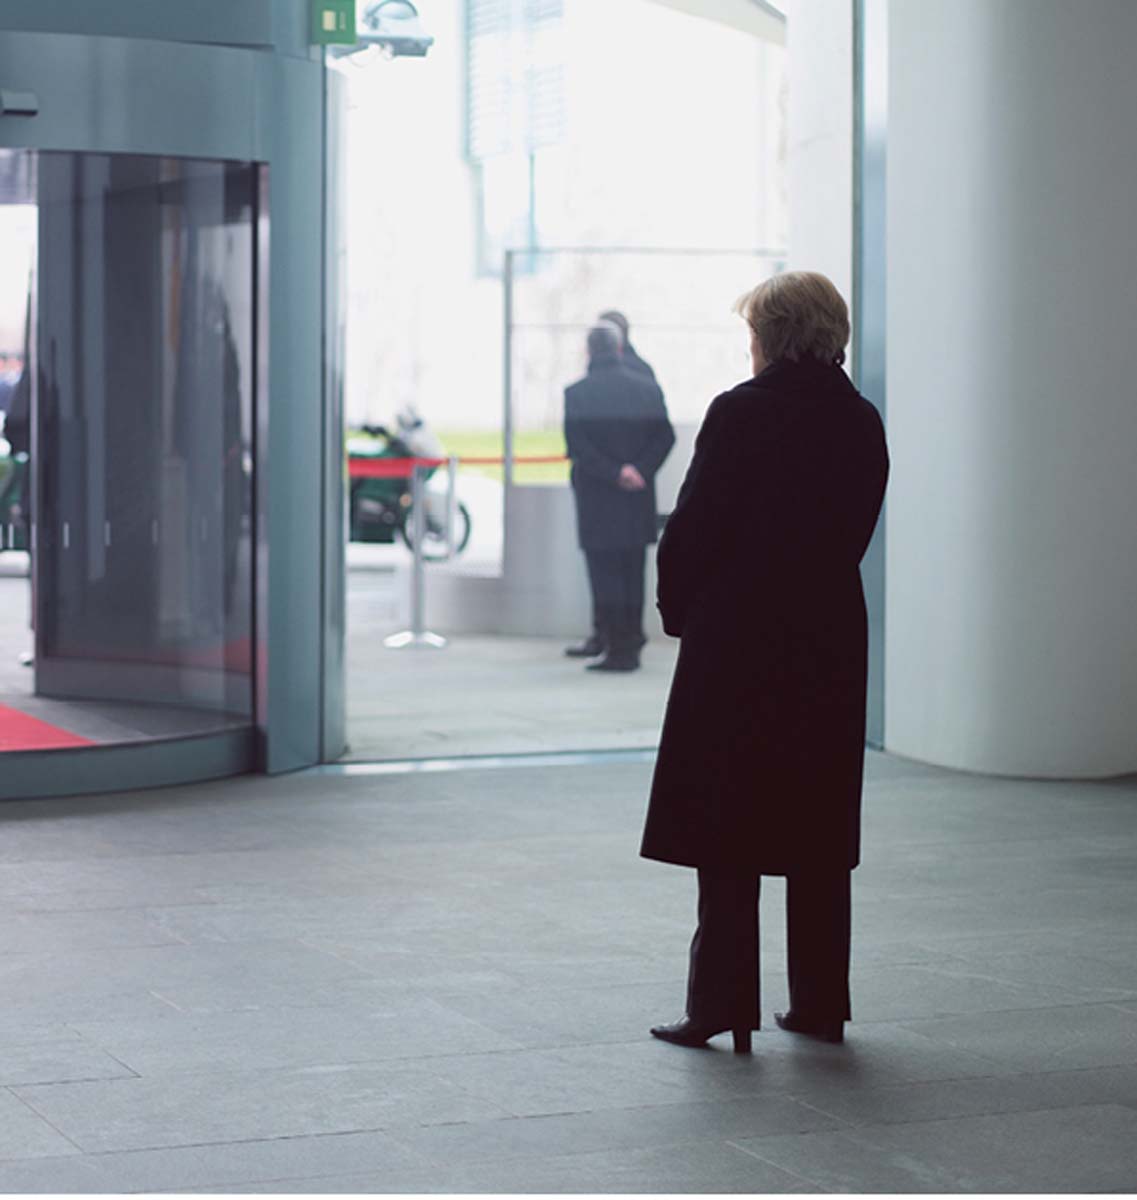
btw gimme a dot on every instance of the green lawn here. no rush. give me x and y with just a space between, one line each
481 444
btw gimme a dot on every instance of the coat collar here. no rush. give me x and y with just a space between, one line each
806 373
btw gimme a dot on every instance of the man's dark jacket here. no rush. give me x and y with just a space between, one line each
615 416
633 362
760 761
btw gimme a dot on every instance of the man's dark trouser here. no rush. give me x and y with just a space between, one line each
616 578
723 980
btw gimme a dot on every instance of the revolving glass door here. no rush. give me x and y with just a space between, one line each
139 361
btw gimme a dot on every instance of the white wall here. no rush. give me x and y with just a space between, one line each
1012 296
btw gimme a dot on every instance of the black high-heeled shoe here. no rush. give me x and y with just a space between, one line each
825 1031
686 1032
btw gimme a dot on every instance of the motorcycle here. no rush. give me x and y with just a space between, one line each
383 508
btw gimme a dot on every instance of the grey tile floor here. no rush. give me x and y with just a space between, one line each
531 698
443 983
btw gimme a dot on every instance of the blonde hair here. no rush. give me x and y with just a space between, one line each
797 315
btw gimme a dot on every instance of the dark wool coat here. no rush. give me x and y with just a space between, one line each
615 416
762 750
633 362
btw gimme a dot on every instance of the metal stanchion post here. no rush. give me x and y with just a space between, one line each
417 637
451 506
507 372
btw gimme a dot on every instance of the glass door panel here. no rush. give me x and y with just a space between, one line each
127 363
143 430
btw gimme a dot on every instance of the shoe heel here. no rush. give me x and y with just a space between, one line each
741 1041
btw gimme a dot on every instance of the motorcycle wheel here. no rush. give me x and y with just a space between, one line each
434 549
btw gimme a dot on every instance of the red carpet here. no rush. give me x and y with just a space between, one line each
18 731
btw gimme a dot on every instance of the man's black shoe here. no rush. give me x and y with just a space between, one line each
616 662
590 649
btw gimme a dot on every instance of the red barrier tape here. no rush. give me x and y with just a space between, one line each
360 467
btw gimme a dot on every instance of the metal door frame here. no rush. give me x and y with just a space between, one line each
870 129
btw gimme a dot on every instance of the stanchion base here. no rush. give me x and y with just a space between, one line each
408 640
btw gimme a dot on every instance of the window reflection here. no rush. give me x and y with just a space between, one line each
143 565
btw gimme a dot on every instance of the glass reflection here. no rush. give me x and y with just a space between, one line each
142 439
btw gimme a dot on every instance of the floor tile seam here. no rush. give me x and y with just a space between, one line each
1065 840
998 1066
32 1034
206 1069
1093 999
895 1084
879 891
908 1022
328 950
960 968
565 1058
507 1156
338 1065
213 1144
962 954
664 981
94 1045
842 1122
581 1112
1030 1074
12 1090
814 1184
324 1178
79 1079
895 841
1028 1109
145 906
139 950
237 1185
94 949
387 1130
1030 1105
237 1182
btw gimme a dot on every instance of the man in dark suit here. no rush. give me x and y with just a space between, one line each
618 434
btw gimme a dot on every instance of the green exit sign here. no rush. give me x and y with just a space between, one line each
333 22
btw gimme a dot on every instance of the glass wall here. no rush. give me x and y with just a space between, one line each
140 363
516 596
537 128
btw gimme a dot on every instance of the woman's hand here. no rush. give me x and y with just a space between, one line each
630 479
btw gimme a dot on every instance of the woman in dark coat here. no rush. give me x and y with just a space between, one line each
761 757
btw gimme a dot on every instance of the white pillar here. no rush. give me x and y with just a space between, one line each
1012 394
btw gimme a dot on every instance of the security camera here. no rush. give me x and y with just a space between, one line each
392 25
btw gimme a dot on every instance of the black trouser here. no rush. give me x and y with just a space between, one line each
723 988
616 578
